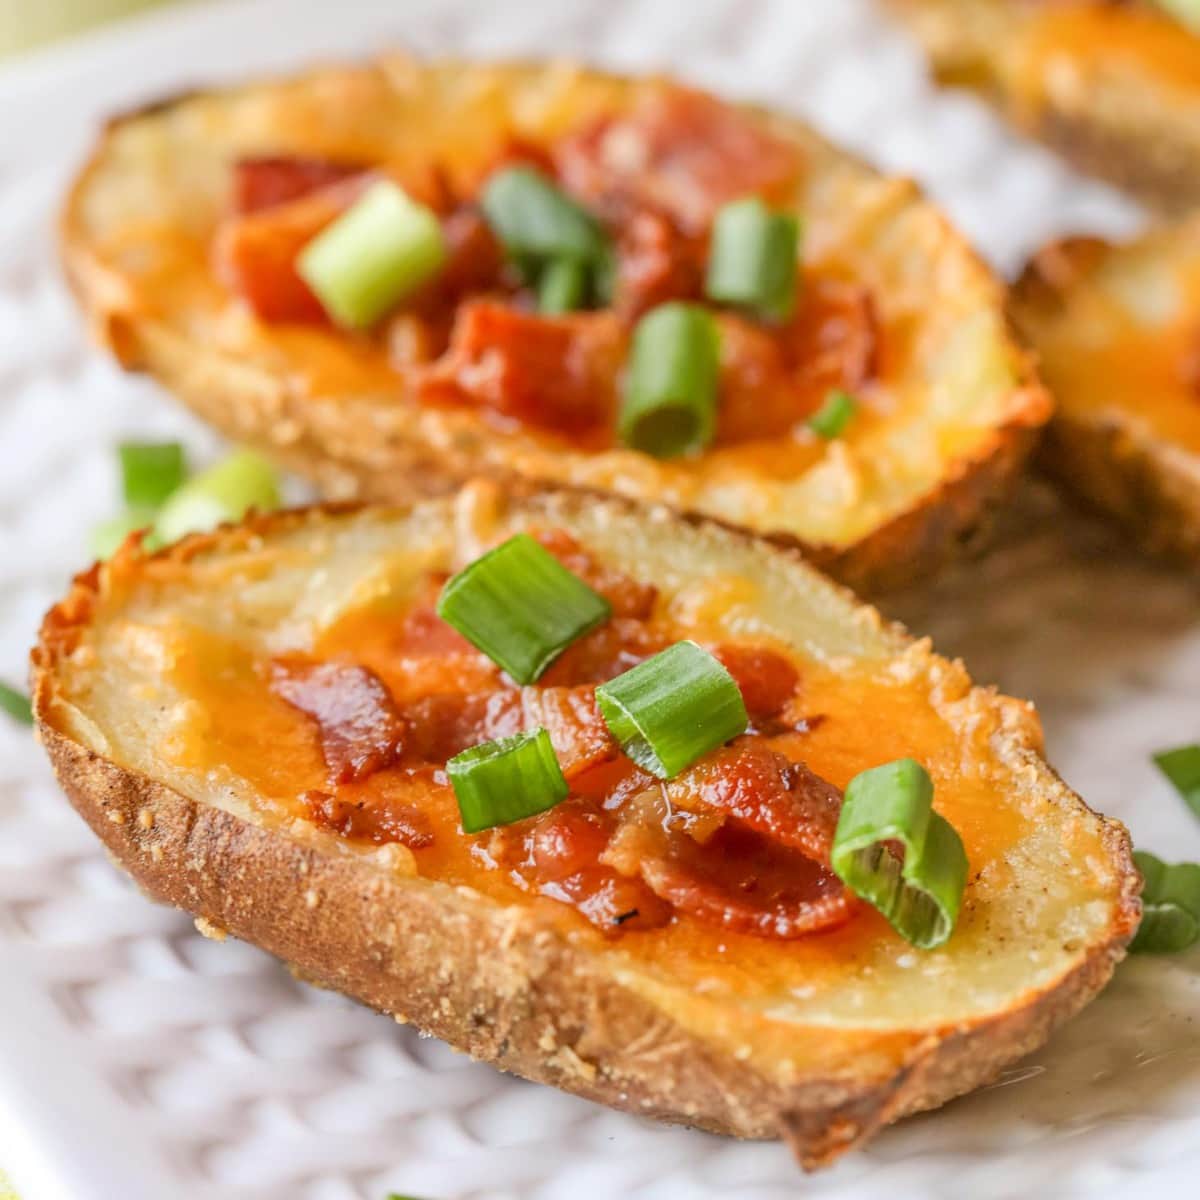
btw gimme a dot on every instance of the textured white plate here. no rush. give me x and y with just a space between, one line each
141 1062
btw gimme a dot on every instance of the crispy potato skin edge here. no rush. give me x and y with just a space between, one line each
351 450
494 982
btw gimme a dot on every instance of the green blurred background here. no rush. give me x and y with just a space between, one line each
25 24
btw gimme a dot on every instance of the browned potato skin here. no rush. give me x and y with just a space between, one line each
353 447
1150 486
503 987
1105 127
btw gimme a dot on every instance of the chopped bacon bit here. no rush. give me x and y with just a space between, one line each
556 372
360 730
758 398
1189 365
605 653
680 151
628 597
372 820
266 182
766 679
834 339
423 632
656 262
758 786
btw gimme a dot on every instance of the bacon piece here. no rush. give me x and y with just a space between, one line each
373 819
766 679
360 730
656 262
834 338
268 181
681 152
556 372
628 597
758 398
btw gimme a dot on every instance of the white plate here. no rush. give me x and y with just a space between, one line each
139 1061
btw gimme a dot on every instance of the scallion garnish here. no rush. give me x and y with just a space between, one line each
1182 767
1186 12
225 492
150 472
16 704
563 287
503 781
534 220
831 419
920 894
108 536
672 709
373 255
1170 906
521 606
752 260
670 403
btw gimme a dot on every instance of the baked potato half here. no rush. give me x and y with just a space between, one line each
1117 330
254 722
1113 86
181 234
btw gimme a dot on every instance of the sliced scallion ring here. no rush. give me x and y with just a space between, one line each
752 260
831 419
150 472
521 606
672 709
1186 12
563 287
109 535
670 402
497 783
1182 767
373 255
921 895
1170 906
225 492
534 219
16 704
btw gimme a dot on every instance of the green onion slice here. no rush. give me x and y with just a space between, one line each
150 472
1170 906
672 709
521 606
533 219
16 704
670 404
563 287
831 419
920 896
1182 767
752 260
497 783
108 536
373 255
1186 12
225 492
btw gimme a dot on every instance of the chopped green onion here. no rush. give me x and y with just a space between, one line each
532 218
1182 767
672 709
752 262
521 606
150 472
920 896
16 704
373 255
497 783
1186 12
1170 906
670 405
109 535
225 492
831 419
563 286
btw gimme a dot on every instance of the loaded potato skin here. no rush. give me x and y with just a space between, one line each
324 669
183 235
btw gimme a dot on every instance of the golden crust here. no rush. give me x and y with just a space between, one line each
500 982
1125 122
1104 443
966 407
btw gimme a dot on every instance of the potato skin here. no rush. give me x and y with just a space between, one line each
1123 133
502 986
354 446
